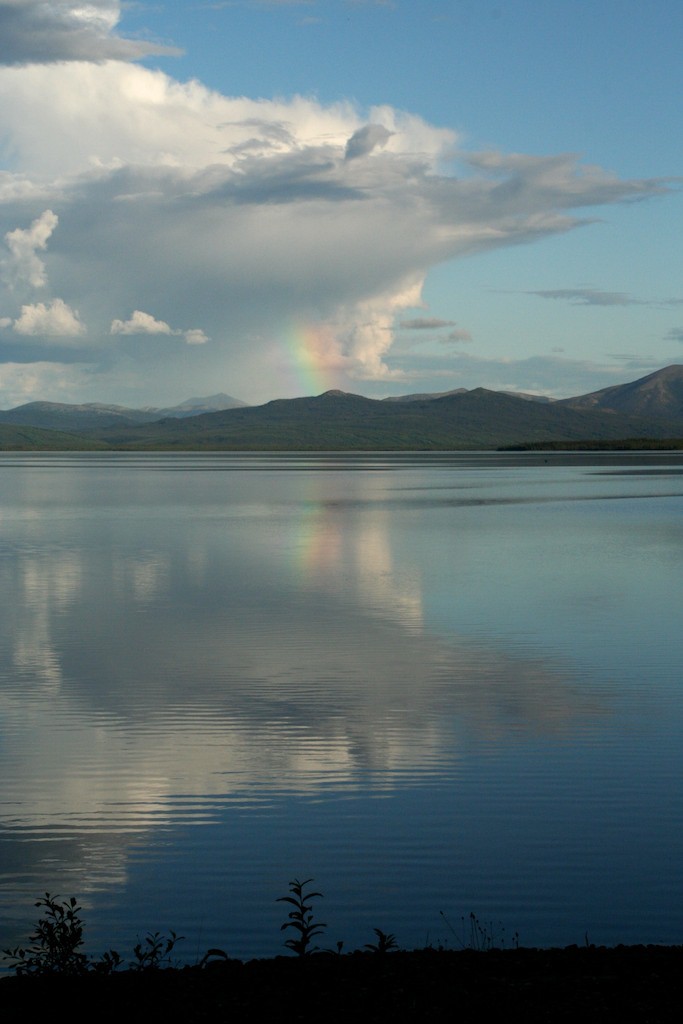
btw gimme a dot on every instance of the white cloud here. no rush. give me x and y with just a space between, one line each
36 30
23 266
55 319
366 331
195 337
140 323
145 323
23 270
70 118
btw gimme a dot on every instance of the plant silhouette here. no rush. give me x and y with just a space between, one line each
386 941
154 951
301 917
56 940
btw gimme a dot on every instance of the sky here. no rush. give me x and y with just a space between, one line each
274 198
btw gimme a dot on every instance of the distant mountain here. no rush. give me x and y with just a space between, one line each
427 396
658 396
424 397
197 406
529 397
338 421
96 416
60 416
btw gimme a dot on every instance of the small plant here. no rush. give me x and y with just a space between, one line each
213 956
154 951
481 935
385 942
478 935
56 941
108 963
301 918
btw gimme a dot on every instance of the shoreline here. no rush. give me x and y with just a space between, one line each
639 983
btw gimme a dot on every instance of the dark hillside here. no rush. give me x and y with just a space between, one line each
650 408
658 396
21 439
340 421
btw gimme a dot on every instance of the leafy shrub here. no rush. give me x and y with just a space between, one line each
58 936
56 941
154 952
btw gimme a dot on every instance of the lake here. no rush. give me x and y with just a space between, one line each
436 683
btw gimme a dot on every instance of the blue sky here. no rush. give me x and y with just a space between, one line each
276 198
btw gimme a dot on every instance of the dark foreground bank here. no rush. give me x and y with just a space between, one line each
634 983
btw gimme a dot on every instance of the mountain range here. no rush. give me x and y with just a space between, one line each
648 408
95 415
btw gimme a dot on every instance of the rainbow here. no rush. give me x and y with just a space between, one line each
311 350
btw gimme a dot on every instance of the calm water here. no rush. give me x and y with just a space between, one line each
430 682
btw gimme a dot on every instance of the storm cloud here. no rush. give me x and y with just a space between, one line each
242 221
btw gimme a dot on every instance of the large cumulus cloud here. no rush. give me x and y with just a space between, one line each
129 192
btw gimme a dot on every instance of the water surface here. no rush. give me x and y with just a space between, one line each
431 682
